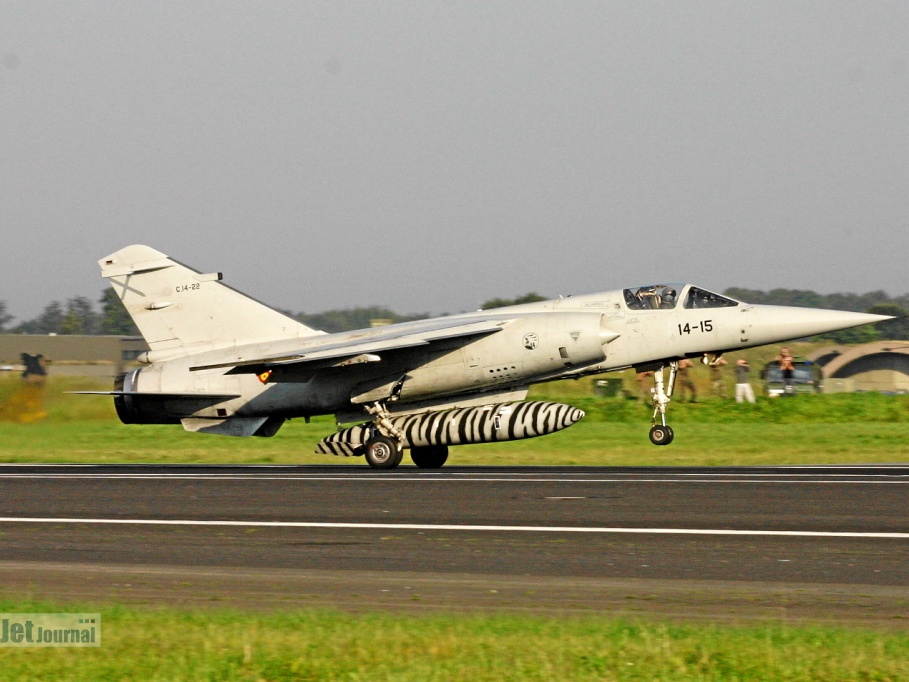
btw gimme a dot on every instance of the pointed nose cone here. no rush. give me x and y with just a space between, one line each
771 323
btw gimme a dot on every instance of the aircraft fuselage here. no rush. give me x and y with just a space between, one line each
538 342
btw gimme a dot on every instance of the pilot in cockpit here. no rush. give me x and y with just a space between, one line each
653 297
649 298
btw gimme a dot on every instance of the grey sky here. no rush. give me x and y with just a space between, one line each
430 155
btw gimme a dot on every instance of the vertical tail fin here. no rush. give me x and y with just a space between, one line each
177 308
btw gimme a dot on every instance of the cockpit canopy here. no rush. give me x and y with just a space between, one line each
701 298
666 297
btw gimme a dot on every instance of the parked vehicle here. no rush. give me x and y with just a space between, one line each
807 378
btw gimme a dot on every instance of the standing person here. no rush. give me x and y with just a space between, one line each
786 365
686 384
717 383
742 387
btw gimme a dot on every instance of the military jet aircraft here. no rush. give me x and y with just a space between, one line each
220 362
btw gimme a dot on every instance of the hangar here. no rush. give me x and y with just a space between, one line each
879 366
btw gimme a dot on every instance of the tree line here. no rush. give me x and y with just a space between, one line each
80 315
75 316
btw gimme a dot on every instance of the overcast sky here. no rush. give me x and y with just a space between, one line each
428 156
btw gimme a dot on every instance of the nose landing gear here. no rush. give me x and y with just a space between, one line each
661 433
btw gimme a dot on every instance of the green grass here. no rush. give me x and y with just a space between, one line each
172 644
812 429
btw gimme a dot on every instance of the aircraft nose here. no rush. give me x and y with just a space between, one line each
770 323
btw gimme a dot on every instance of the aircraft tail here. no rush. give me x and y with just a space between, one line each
178 309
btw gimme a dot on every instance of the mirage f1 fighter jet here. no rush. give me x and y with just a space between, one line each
222 363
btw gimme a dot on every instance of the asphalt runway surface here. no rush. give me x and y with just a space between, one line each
783 543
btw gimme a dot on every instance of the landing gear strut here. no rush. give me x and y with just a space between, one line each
661 433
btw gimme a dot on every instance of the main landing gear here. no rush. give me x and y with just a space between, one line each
430 456
385 448
382 452
661 433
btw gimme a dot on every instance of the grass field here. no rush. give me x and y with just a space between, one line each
813 429
169 645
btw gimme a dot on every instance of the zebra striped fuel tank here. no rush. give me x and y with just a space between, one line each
462 426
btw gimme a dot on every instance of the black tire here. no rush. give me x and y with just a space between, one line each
382 452
661 435
429 457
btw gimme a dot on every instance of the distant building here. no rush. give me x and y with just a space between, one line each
880 366
94 356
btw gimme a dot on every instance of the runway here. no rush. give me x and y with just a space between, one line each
731 542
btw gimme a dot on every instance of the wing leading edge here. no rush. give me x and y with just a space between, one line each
337 353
